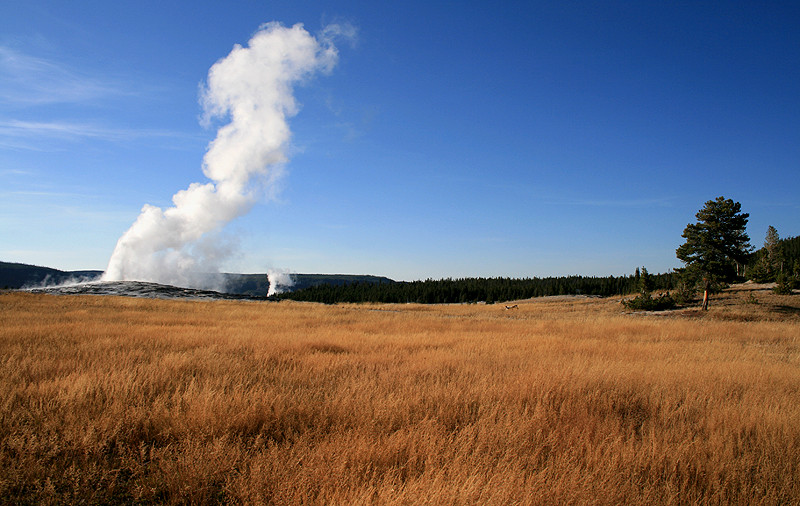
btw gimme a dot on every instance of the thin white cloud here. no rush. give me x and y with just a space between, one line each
73 130
15 172
654 202
27 80
16 134
42 193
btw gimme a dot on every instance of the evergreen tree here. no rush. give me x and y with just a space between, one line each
645 301
772 247
716 245
790 249
784 285
645 282
761 271
795 281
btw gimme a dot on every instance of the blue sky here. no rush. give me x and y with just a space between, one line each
451 139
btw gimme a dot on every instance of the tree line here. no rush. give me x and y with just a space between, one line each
778 258
471 290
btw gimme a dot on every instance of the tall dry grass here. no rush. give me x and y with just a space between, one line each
115 400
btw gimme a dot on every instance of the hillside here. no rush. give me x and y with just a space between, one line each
258 284
17 275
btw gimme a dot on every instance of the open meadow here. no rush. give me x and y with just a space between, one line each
567 400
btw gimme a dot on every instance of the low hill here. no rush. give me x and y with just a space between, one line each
16 275
258 284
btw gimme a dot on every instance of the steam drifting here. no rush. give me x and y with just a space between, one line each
253 86
279 281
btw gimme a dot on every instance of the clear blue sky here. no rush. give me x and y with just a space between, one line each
451 139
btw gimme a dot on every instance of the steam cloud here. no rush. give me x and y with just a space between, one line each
253 86
279 281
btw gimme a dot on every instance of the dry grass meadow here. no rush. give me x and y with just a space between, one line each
109 400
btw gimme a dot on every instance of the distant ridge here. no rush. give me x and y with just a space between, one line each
258 284
17 275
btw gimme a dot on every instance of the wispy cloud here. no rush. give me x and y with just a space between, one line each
46 194
15 172
653 202
73 130
29 80
16 134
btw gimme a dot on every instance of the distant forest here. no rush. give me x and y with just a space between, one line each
791 250
462 290
789 253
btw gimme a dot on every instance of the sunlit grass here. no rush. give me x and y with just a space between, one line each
106 399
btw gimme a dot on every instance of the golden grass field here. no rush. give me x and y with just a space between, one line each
561 401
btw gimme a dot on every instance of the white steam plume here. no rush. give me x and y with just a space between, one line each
279 281
253 86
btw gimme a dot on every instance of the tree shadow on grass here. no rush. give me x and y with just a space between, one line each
789 310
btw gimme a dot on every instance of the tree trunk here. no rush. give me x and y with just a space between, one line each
705 296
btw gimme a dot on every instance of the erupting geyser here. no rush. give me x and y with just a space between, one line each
279 281
253 86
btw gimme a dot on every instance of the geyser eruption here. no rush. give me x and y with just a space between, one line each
279 281
253 86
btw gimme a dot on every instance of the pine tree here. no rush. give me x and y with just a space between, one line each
716 245
645 282
772 246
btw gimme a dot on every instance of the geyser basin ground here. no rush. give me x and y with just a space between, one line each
139 289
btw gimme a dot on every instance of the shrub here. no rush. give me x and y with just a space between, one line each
645 302
784 286
751 299
684 294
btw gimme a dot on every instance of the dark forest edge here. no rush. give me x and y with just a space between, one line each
471 290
